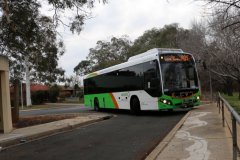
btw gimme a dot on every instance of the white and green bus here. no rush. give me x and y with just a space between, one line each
159 79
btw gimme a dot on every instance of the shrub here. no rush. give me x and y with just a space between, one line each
53 93
65 94
80 94
39 97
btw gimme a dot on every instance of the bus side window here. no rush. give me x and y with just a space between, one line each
151 78
152 81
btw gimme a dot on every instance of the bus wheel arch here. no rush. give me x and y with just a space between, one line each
135 106
96 104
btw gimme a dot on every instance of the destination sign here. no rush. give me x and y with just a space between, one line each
175 58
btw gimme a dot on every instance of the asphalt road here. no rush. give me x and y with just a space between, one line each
59 110
124 137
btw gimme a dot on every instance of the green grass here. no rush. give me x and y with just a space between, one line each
74 101
233 101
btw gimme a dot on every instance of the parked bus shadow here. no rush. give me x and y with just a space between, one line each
146 113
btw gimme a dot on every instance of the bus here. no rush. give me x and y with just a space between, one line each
158 79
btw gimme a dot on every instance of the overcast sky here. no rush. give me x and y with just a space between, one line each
126 17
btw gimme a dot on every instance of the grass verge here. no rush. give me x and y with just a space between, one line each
233 101
73 100
41 106
35 120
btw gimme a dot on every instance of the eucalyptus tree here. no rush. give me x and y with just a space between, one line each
83 67
105 54
77 12
32 46
29 38
165 37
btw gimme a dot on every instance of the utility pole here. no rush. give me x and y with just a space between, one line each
21 93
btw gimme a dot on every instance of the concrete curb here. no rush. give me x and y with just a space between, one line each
160 147
28 138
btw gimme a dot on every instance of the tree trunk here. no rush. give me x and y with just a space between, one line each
230 92
28 91
229 87
15 109
6 11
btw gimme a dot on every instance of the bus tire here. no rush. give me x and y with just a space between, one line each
135 106
96 105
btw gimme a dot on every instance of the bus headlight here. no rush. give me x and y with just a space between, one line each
165 101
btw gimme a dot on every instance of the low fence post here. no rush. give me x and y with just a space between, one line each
223 118
218 105
234 137
235 121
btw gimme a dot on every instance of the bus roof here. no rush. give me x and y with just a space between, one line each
153 51
140 58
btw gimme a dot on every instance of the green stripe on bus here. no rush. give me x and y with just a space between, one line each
176 101
105 100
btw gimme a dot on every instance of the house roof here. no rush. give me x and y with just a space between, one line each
39 87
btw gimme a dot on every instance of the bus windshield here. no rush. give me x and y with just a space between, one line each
178 74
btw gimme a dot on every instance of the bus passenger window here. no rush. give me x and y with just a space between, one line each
151 79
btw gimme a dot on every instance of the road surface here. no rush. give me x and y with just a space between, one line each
57 110
123 137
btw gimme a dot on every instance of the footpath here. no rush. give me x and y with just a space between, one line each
23 135
198 136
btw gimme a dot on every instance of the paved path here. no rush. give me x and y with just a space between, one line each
201 137
124 137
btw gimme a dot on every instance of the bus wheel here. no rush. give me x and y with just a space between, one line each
135 106
96 105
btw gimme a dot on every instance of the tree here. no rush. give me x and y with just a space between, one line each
54 93
74 82
25 30
32 45
222 55
28 45
75 8
194 40
228 11
166 37
71 81
105 54
83 67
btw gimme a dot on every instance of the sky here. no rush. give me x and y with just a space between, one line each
126 17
